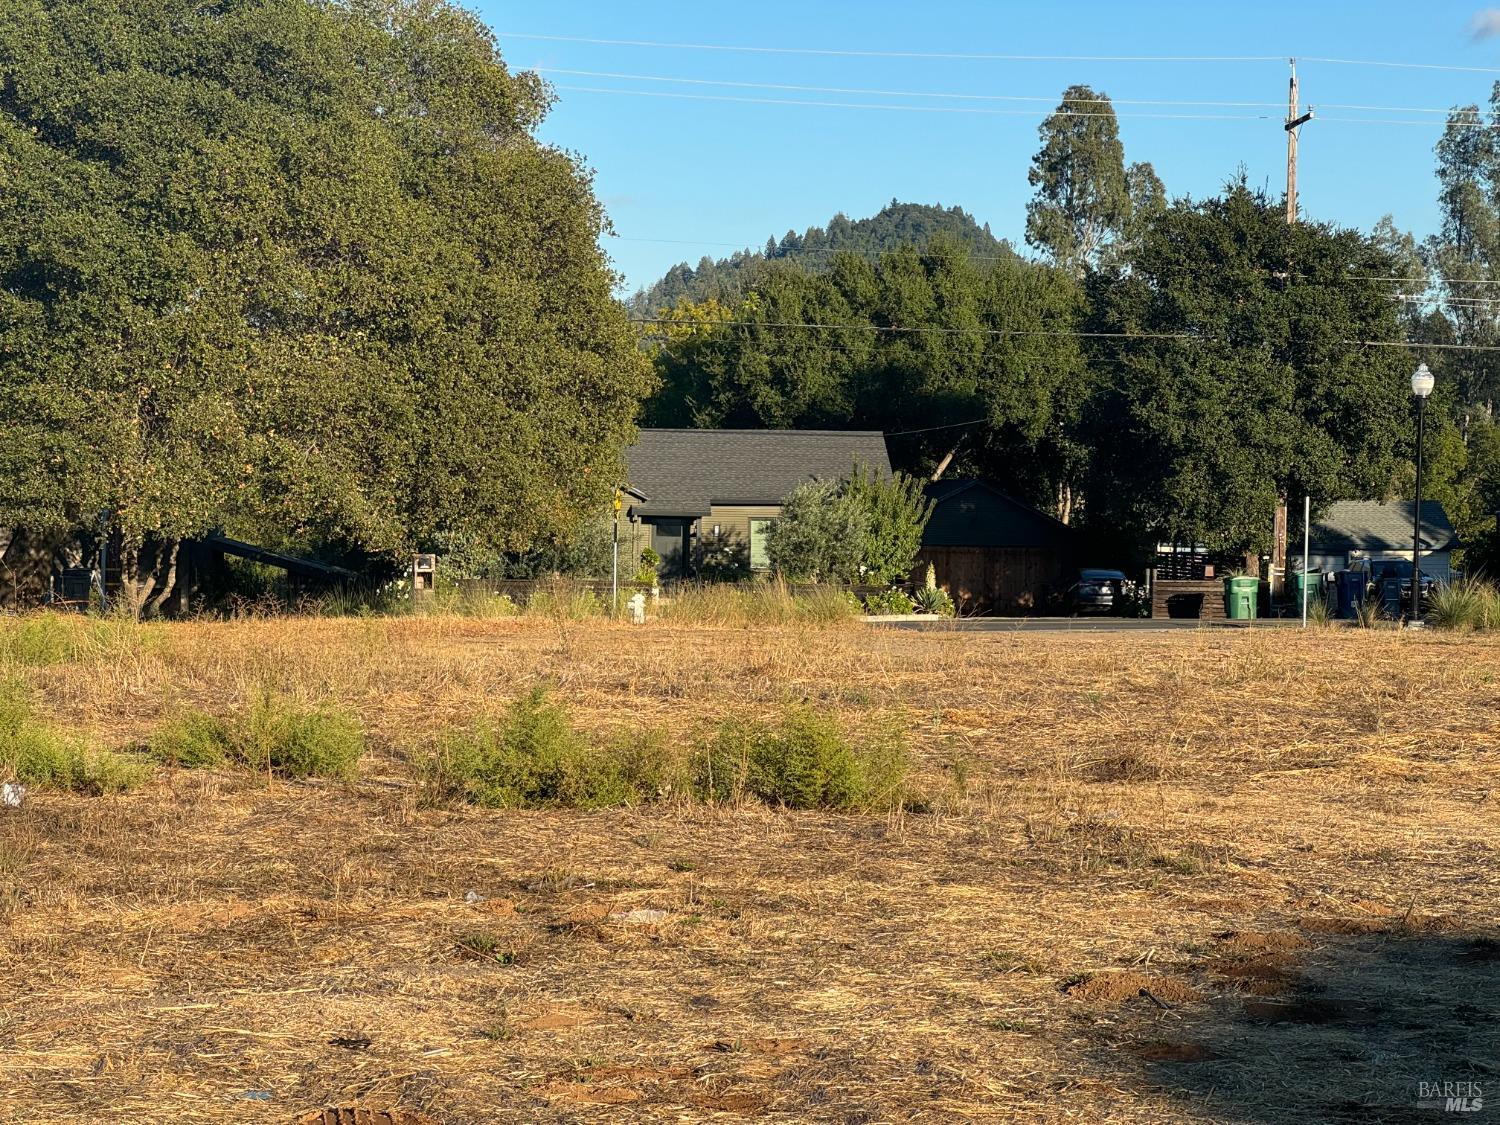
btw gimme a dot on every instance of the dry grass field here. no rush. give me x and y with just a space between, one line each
1210 876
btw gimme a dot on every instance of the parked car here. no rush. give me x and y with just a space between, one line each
1389 583
1099 591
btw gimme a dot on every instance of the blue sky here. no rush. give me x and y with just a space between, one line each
682 177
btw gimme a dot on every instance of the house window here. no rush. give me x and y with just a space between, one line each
758 558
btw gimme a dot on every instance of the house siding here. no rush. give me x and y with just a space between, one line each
733 520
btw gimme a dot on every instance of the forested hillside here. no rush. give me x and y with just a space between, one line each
897 224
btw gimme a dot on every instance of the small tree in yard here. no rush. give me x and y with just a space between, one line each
898 510
822 534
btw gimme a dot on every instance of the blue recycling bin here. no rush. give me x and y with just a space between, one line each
1350 592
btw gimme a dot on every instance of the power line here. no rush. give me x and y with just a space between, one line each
914 108
1400 65
930 429
843 53
916 330
1051 100
978 57
681 96
1044 333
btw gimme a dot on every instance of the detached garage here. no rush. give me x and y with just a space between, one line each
990 551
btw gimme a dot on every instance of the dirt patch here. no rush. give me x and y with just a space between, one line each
1174 1052
584 1093
556 1020
1260 941
1270 975
1406 922
362 1115
1115 988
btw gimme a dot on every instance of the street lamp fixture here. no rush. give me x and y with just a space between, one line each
1421 386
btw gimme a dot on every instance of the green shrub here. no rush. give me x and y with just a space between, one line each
193 740
531 757
275 736
807 764
804 762
36 754
896 602
293 741
821 535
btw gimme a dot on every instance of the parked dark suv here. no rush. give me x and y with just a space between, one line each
1390 583
1098 591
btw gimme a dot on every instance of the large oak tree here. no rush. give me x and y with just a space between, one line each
298 269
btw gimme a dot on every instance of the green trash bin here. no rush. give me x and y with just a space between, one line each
1242 597
1313 580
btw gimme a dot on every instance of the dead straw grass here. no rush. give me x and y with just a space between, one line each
1296 834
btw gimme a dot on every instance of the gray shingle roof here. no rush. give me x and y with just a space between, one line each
1372 525
683 472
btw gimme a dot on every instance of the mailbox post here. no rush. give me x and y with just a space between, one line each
423 578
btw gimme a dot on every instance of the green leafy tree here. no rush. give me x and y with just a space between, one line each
299 270
1089 208
898 510
1254 388
821 535
970 353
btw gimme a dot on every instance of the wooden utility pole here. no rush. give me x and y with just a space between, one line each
1291 146
1294 123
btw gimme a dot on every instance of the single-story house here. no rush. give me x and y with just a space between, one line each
992 552
691 490
1352 530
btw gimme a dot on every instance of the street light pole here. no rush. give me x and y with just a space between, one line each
1421 387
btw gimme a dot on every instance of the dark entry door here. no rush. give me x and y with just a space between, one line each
666 540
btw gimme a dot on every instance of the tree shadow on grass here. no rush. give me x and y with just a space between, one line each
1346 1027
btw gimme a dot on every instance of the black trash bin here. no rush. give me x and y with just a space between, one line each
1350 586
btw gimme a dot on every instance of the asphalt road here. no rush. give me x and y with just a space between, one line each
1077 624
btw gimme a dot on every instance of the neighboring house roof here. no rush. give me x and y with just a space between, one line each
974 513
686 472
1372 525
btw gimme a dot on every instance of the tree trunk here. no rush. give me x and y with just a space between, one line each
1065 501
148 574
